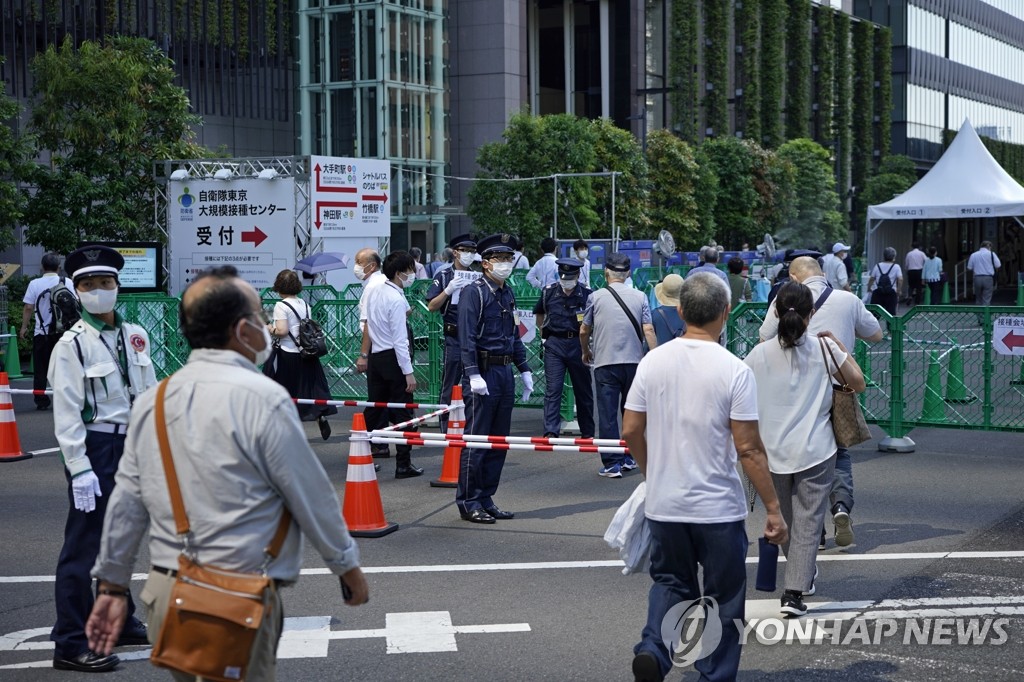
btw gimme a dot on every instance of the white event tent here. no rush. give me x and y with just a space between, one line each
965 183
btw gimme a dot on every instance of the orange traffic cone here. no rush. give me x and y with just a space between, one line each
10 444
452 454
363 510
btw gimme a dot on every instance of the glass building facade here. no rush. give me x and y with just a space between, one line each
953 61
373 84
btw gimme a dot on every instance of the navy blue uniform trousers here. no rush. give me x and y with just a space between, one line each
480 470
561 355
82 532
451 375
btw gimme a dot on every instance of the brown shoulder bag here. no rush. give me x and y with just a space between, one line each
213 614
848 423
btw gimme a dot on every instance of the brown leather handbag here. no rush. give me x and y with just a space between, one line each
213 615
848 422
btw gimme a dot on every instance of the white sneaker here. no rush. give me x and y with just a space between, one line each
814 583
844 526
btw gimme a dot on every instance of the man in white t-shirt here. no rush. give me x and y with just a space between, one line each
843 314
686 443
38 316
833 265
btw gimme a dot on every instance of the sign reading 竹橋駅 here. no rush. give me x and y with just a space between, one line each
349 197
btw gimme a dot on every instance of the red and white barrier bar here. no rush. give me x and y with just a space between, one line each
388 439
417 420
364 403
26 391
529 440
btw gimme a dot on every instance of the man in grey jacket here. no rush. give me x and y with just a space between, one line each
231 429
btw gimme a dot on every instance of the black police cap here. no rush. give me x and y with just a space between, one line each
497 243
462 240
93 260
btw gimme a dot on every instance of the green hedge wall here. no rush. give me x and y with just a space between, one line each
844 108
683 98
863 108
883 94
716 66
748 31
798 69
825 77
773 36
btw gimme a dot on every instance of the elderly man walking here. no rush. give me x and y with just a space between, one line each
618 318
687 443
242 461
843 314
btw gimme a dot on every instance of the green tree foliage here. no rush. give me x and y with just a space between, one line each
817 222
103 114
707 193
863 110
733 165
748 28
844 96
15 152
825 60
798 69
773 36
683 95
540 146
616 149
896 174
675 179
774 181
716 65
883 96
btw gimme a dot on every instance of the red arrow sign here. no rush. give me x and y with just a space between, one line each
331 204
256 236
382 198
1012 341
330 188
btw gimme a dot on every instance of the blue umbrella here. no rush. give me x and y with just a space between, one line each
322 262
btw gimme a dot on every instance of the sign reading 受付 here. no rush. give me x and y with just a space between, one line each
247 223
349 197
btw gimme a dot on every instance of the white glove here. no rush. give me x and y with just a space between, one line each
454 285
85 488
477 384
527 378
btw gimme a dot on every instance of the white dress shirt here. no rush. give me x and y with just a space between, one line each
386 309
983 262
543 272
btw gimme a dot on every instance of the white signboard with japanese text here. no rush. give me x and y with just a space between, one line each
349 197
247 223
1008 335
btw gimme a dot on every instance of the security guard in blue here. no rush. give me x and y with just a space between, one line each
489 338
443 296
559 312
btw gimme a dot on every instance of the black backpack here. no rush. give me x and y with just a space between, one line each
311 342
65 309
884 281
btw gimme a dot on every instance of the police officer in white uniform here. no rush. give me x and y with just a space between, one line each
97 369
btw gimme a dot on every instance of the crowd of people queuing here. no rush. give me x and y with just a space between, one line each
626 355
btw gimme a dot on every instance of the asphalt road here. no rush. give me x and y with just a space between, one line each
939 534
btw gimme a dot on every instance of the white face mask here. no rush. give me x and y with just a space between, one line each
359 272
263 353
407 279
568 284
98 301
501 271
582 255
466 259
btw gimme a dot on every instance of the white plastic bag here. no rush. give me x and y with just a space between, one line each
629 533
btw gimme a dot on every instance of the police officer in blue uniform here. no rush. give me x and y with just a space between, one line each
443 296
489 338
559 312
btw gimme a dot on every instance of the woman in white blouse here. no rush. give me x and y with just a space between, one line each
303 376
794 398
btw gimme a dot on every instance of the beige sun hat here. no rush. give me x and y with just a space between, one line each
667 291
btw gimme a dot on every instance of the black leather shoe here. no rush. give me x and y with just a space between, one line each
133 634
87 662
478 516
325 427
411 471
376 467
499 514
380 451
